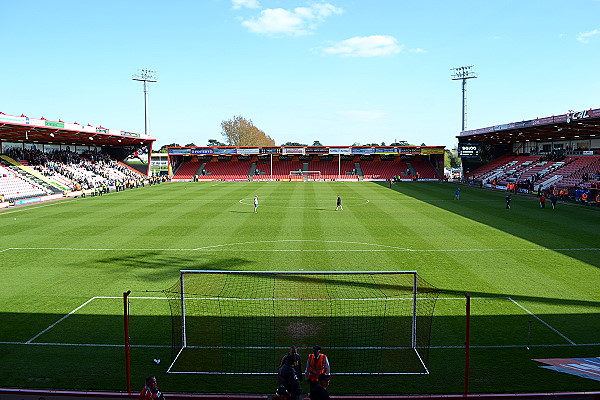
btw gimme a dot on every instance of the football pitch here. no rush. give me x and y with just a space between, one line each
533 276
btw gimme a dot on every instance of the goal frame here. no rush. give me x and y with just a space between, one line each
306 173
413 333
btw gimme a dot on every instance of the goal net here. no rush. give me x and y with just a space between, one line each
305 173
242 322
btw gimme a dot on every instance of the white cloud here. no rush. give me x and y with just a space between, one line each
362 115
296 22
237 4
585 37
366 46
418 50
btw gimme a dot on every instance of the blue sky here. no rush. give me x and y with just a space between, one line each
337 71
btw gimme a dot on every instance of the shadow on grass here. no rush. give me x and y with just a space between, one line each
570 229
85 352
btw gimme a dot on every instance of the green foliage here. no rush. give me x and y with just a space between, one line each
294 144
214 143
163 148
451 159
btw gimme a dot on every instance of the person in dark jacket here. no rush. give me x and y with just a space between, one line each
319 392
297 363
287 377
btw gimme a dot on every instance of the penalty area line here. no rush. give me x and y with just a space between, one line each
543 322
59 321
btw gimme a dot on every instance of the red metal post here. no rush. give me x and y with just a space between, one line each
467 344
127 344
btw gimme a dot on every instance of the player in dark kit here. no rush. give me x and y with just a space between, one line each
508 199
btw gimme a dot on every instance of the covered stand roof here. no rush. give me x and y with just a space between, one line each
573 125
25 129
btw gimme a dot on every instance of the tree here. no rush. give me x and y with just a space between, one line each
190 145
163 149
293 144
451 159
383 143
400 143
423 144
317 143
240 131
214 142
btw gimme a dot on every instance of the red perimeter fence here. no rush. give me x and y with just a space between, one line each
29 394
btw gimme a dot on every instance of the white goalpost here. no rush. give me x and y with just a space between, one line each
242 322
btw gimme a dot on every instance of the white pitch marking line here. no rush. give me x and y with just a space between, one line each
542 321
218 246
39 206
60 320
159 346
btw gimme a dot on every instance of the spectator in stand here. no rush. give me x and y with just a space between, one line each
150 391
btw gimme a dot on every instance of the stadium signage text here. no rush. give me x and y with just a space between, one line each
293 150
270 150
317 150
225 151
363 150
202 151
576 115
254 150
340 150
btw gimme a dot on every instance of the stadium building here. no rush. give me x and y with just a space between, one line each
560 152
307 163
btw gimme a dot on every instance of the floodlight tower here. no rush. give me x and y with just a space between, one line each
145 75
463 73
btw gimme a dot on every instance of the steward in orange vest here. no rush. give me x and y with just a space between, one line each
316 365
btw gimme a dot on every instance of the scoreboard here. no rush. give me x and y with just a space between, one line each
468 150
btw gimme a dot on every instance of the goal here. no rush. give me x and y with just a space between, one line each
301 172
243 322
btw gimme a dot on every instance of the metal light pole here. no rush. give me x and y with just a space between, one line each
145 75
463 73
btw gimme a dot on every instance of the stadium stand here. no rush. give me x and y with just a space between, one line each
187 170
424 169
385 169
32 173
330 169
281 169
14 186
231 169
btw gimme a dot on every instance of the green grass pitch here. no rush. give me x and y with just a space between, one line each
65 265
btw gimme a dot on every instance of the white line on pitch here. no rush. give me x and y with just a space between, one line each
39 206
59 321
542 321
220 248
165 346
